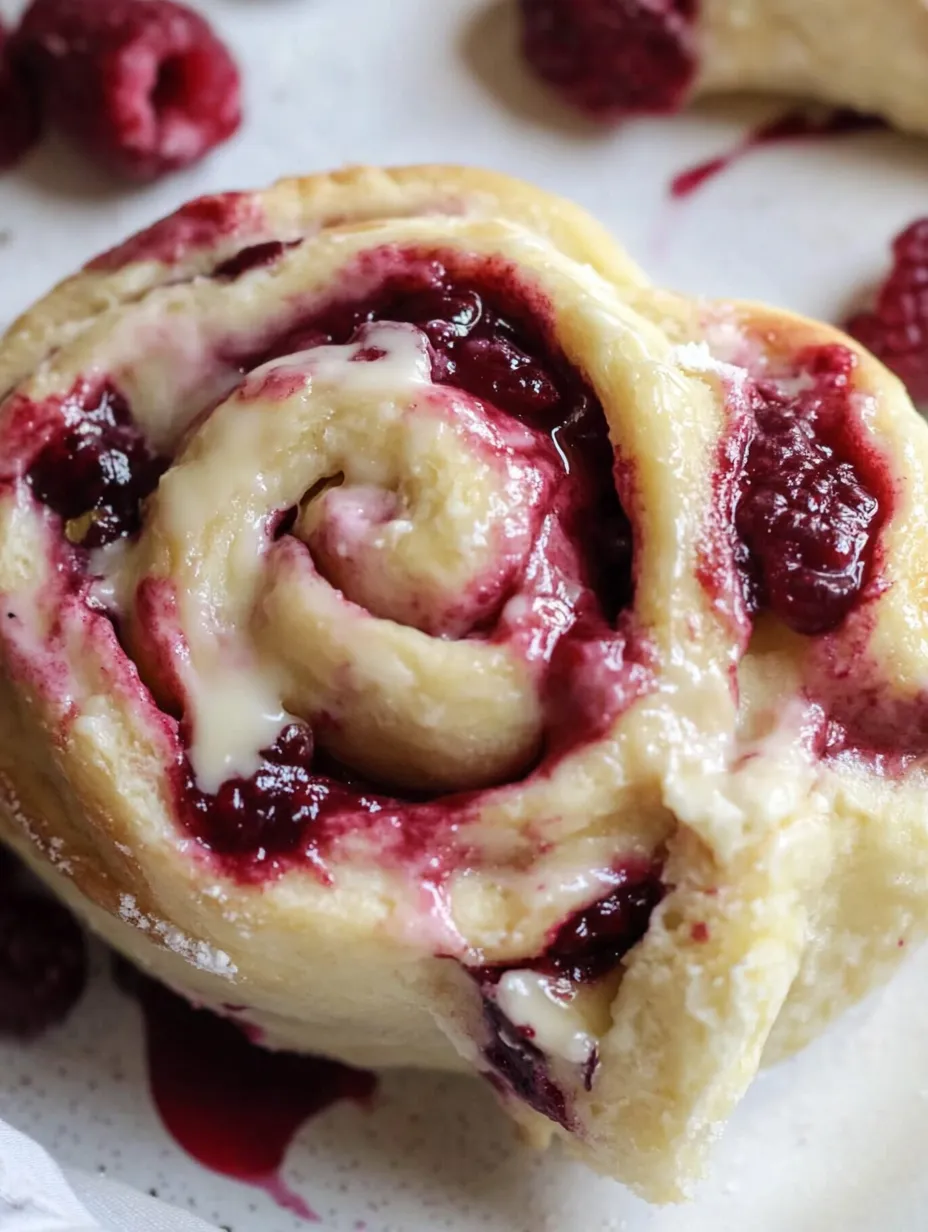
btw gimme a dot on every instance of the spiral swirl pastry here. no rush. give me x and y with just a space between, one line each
430 639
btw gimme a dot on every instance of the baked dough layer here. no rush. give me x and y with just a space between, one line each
869 56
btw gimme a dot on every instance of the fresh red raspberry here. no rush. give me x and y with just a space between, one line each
144 86
43 963
9 867
896 330
613 58
20 114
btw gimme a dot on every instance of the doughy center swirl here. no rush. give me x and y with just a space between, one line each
416 510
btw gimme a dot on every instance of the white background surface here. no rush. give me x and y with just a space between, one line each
834 1140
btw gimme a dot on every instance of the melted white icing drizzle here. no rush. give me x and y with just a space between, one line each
235 696
538 1003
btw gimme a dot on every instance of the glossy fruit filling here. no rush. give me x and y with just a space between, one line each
255 257
812 499
97 468
591 942
585 947
520 1068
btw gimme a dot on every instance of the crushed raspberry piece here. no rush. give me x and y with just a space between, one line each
144 86
593 941
896 330
98 469
613 58
806 514
20 113
270 810
43 963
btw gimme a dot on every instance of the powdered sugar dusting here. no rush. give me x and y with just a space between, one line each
199 954
697 357
51 850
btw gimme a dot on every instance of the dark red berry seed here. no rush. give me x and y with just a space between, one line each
43 963
613 58
143 86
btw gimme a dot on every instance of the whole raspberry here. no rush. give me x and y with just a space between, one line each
613 58
896 330
144 86
43 963
20 113
9 866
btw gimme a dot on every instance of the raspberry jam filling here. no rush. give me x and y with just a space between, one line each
591 942
812 499
521 1069
613 58
196 226
97 468
488 342
255 257
585 947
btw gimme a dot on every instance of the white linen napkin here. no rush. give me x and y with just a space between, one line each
37 1196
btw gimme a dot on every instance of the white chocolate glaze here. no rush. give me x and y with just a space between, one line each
543 1006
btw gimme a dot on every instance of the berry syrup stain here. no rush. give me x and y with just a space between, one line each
794 125
232 1105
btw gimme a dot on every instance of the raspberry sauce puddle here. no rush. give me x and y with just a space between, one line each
230 1104
795 125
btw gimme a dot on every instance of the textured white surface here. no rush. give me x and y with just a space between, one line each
831 1140
37 1196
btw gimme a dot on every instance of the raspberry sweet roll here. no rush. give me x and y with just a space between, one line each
429 642
616 58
